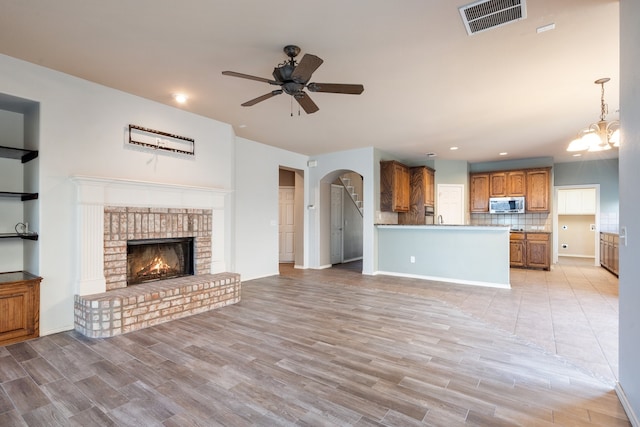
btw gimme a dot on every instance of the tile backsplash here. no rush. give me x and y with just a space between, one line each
609 222
527 221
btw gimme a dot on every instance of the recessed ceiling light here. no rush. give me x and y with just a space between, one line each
577 155
180 98
242 126
453 148
504 153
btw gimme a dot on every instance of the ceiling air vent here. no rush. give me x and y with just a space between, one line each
484 15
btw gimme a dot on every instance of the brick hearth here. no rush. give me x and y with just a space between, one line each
136 307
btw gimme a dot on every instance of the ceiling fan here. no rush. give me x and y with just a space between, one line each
293 77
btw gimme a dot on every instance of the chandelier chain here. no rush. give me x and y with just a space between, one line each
604 109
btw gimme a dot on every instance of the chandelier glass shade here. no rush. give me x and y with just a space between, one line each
599 136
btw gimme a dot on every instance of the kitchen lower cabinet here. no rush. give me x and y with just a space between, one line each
609 251
517 250
530 250
19 307
538 250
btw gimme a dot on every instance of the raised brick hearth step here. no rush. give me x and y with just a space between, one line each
136 307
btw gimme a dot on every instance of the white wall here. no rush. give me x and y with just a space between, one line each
363 161
82 132
629 333
256 200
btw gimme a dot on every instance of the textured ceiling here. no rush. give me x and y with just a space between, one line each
428 85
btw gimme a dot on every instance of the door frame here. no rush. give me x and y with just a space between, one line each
462 195
555 219
335 258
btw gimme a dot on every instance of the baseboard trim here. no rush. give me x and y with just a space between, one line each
446 279
628 409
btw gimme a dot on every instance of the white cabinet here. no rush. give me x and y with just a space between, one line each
577 201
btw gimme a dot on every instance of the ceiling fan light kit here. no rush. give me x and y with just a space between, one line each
600 136
293 77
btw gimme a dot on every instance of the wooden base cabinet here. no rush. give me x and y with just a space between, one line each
530 250
517 250
609 251
538 251
19 307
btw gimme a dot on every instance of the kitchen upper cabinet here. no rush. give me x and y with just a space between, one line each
394 187
507 184
421 195
498 184
516 183
533 184
577 201
479 192
427 178
537 197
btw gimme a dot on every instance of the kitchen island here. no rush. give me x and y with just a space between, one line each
464 254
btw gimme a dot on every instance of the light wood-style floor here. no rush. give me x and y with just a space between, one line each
334 347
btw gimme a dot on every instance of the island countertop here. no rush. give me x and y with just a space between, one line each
463 254
448 226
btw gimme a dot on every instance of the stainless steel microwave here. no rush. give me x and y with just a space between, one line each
498 205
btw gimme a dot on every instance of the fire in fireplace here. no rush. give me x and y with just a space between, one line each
158 259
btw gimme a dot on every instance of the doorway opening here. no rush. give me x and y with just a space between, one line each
346 220
290 217
576 223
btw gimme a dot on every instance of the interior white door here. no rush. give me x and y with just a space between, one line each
286 229
337 219
450 203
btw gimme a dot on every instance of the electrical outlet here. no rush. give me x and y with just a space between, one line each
412 259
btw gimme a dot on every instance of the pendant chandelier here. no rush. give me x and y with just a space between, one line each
599 136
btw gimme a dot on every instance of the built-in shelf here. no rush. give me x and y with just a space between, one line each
30 236
22 196
24 156
18 153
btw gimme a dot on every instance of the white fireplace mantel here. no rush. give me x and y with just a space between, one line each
94 193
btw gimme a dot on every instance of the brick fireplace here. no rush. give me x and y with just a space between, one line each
123 224
113 212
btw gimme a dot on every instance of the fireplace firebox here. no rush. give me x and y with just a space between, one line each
158 259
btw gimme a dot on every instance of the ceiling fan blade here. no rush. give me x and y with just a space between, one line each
261 98
306 103
336 88
308 64
247 76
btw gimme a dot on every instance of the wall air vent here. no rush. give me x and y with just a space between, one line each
486 14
